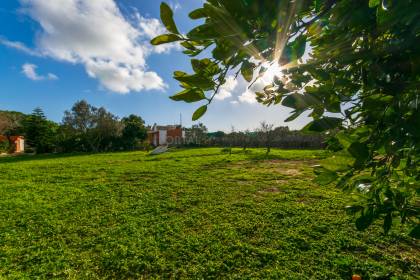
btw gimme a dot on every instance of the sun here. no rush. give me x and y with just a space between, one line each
273 71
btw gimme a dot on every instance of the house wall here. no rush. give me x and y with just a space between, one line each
163 137
20 145
175 136
169 136
176 132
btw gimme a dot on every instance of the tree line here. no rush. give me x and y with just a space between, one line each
265 136
84 128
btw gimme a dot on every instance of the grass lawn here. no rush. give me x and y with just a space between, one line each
186 214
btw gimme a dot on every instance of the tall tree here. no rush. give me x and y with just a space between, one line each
11 122
197 134
266 135
361 64
87 128
134 131
40 133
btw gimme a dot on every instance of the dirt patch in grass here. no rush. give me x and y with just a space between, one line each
290 172
270 190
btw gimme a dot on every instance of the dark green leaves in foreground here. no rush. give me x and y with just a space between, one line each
325 176
199 112
247 70
294 50
323 124
167 17
189 95
165 38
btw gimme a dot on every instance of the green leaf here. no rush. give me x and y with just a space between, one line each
179 74
338 162
299 47
387 223
167 17
359 151
196 65
318 5
198 13
165 38
199 112
188 46
197 80
223 50
202 32
374 3
325 177
299 101
205 66
415 232
294 50
189 95
344 139
247 70
323 124
353 209
295 114
365 220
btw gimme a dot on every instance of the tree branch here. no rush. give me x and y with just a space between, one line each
328 7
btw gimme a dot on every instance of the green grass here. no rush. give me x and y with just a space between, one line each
186 214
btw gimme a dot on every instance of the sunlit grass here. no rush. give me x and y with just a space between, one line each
185 214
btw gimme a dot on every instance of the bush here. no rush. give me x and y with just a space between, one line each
4 146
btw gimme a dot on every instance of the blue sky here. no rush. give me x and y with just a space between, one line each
54 53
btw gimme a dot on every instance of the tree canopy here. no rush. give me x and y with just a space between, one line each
352 65
40 133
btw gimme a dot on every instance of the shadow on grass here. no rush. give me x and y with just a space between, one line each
33 157
173 154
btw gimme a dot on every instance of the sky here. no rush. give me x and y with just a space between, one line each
54 53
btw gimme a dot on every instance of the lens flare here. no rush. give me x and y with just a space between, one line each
273 71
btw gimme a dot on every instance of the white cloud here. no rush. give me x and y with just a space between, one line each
96 34
227 89
149 28
51 76
238 89
123 79
247 97
19 46
29 70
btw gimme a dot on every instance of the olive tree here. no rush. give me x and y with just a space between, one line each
266 134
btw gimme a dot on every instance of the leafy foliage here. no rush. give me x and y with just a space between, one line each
11 123
360 65
87 128
134 131
84 128
4 146
40 133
